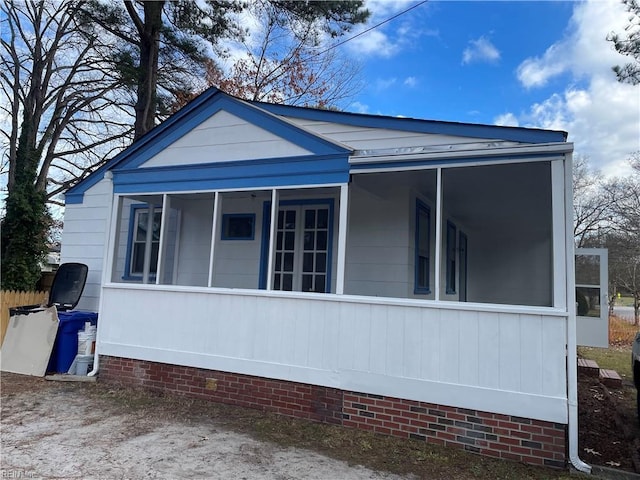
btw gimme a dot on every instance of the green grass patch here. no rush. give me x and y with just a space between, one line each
618 359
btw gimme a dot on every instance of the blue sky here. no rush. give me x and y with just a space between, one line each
533 64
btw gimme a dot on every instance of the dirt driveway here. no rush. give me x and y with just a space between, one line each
64 430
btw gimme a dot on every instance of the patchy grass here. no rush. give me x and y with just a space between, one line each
618 356
614 358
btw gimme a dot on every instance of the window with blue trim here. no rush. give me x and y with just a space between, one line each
138 235
422 248
451 258
238 226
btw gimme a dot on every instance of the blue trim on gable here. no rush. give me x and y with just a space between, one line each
306 170
245 111
75 193
194 113
77 198
518 134
266 226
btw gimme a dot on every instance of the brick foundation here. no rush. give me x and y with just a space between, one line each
501 436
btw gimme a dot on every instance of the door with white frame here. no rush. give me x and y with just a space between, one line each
302 250
592 283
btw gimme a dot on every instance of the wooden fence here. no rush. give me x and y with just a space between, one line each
10 299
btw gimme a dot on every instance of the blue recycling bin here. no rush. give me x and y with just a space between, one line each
65 346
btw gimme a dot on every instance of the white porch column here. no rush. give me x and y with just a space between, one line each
164 228
272 236
343 223
214 235
148 245
438 259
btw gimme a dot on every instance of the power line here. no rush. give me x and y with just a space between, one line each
371 28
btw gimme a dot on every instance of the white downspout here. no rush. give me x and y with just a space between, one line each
572 367
106 267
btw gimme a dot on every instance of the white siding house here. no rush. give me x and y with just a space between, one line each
381 259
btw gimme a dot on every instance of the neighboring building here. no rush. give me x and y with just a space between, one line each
409 277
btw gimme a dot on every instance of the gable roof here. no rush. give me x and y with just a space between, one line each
472 130
195 112
272 117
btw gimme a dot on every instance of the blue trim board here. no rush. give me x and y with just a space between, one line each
264 245
518 134
266 227
325 178
130 233
307 170
421 207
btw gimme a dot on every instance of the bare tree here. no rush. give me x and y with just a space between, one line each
623 240
288 62
164 45
591 203
62 120
624 266
56 88
625 195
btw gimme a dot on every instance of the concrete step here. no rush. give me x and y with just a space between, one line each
610 378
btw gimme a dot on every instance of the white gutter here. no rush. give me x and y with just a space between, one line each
572 366
108 177
449 152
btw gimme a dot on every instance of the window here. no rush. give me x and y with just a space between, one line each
422 266
451 258
238 226
138 240
303 246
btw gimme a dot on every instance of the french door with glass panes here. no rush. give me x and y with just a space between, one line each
302 250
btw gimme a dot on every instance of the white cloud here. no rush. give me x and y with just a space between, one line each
389 39
601 115
535 72
603 121
507 120
584 49
358 107
384 83
374 43
480 50
410 81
